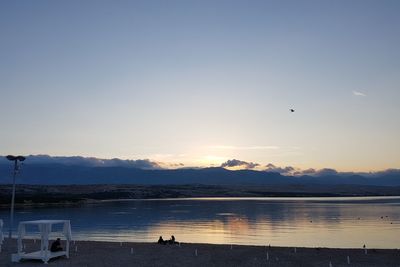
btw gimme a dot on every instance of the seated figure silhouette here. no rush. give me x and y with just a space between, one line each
56 246
161 241
172 240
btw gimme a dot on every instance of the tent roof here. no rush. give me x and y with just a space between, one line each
37 222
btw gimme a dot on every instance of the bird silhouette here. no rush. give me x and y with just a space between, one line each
291 110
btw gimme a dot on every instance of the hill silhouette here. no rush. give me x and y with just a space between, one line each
62 174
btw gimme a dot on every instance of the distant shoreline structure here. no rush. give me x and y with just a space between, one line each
40 195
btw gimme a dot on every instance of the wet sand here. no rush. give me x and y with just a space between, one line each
97 254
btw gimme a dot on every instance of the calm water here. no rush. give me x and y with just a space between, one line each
311 222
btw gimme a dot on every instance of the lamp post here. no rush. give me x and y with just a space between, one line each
16 168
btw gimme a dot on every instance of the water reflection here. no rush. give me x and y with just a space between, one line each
333 222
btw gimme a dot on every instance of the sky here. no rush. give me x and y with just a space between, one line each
202 82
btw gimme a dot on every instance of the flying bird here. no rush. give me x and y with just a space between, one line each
291 110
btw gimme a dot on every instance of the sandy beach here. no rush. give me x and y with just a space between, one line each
89 253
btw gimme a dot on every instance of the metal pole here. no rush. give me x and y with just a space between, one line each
13 199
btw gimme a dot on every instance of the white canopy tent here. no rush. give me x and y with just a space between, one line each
1 233
45 229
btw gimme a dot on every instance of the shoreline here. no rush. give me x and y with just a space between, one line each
101 253
216 198
41 195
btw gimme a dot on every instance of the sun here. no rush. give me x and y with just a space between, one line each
211 160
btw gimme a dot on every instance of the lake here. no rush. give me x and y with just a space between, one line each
310 222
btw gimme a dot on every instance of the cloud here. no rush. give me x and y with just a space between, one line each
145 164
288 170
358 93
309 171
294 171
92 162
172 165
235 163
246 147
326 171
384 172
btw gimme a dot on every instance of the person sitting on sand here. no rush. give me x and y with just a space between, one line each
172 240
56 246
161 241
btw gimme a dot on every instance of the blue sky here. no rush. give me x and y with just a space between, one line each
201 82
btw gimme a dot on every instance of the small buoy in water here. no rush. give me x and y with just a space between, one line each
330 264
131 250
348 259
76 248
120 244
231 246
195 252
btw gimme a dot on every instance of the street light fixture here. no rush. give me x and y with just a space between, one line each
16 168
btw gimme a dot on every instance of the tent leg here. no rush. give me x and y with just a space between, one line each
15 258
67 248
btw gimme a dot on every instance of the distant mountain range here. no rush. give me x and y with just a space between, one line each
74 170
